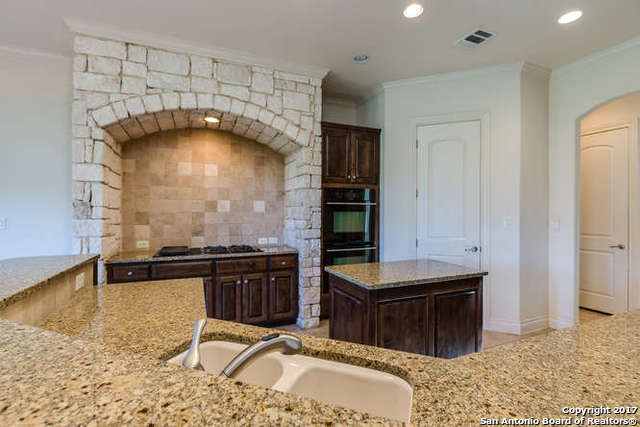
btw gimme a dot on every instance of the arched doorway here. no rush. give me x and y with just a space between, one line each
608 206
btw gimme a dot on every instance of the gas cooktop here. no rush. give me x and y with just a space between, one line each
185 250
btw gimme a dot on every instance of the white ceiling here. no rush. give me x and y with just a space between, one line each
328 33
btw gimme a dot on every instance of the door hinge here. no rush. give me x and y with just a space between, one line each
416 243
416 193
416 143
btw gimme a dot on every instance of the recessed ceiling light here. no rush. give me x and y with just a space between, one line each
211 119
361 59
413 10
569 17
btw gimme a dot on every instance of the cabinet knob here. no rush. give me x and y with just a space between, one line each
237 282
246 281
129 273
273 279
283 263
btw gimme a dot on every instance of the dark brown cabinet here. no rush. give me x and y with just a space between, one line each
255 298
350 154
364 157
228 298
284 295
350 161
264 291
336 155
441 319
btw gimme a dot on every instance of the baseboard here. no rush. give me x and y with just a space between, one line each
519 328
534 324
561 322
505 326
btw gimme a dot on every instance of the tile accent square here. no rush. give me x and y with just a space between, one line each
258 205
210 169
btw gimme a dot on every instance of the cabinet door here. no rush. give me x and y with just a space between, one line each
209 296
364 155
255 298
284 295
336 164
457 324
403 324
229 298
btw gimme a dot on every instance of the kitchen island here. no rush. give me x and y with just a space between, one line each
419 306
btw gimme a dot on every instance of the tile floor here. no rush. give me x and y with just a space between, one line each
490 338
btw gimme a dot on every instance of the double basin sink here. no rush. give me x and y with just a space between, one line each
354 387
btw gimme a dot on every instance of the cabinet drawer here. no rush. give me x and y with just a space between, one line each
174 270
245 265
129 273
282 262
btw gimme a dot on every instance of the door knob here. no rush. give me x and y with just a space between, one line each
618 246
472 249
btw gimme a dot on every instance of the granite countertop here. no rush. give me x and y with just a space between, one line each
108 367
21 276
381 275
147 256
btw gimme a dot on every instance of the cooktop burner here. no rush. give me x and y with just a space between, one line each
243 248
167 251
215 250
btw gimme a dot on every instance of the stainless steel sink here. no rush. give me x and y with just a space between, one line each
362 389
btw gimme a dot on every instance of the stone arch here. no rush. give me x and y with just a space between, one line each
124 91
138 116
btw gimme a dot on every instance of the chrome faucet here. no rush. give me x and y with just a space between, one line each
192 358
292 343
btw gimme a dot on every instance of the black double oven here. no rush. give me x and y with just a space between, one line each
349 217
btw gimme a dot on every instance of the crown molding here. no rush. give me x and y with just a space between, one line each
30 51
182 46
579 64
456 75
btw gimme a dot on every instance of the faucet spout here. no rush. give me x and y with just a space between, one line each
292 343
192 358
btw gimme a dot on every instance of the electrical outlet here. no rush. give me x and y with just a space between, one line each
3 223
273 240
142 244
263 241
79 281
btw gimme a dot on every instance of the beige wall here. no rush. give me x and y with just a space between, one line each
200 187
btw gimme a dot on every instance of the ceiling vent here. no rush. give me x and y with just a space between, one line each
475 39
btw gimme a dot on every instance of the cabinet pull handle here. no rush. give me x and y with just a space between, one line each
129 273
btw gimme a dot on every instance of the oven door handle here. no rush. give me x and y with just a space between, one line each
351 203
351 249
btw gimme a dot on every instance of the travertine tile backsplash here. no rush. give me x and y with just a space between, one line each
200 187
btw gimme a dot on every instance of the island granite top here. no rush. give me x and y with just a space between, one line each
393 274
21 276
130 257
101 361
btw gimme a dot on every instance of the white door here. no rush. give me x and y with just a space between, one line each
604 223
448 195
